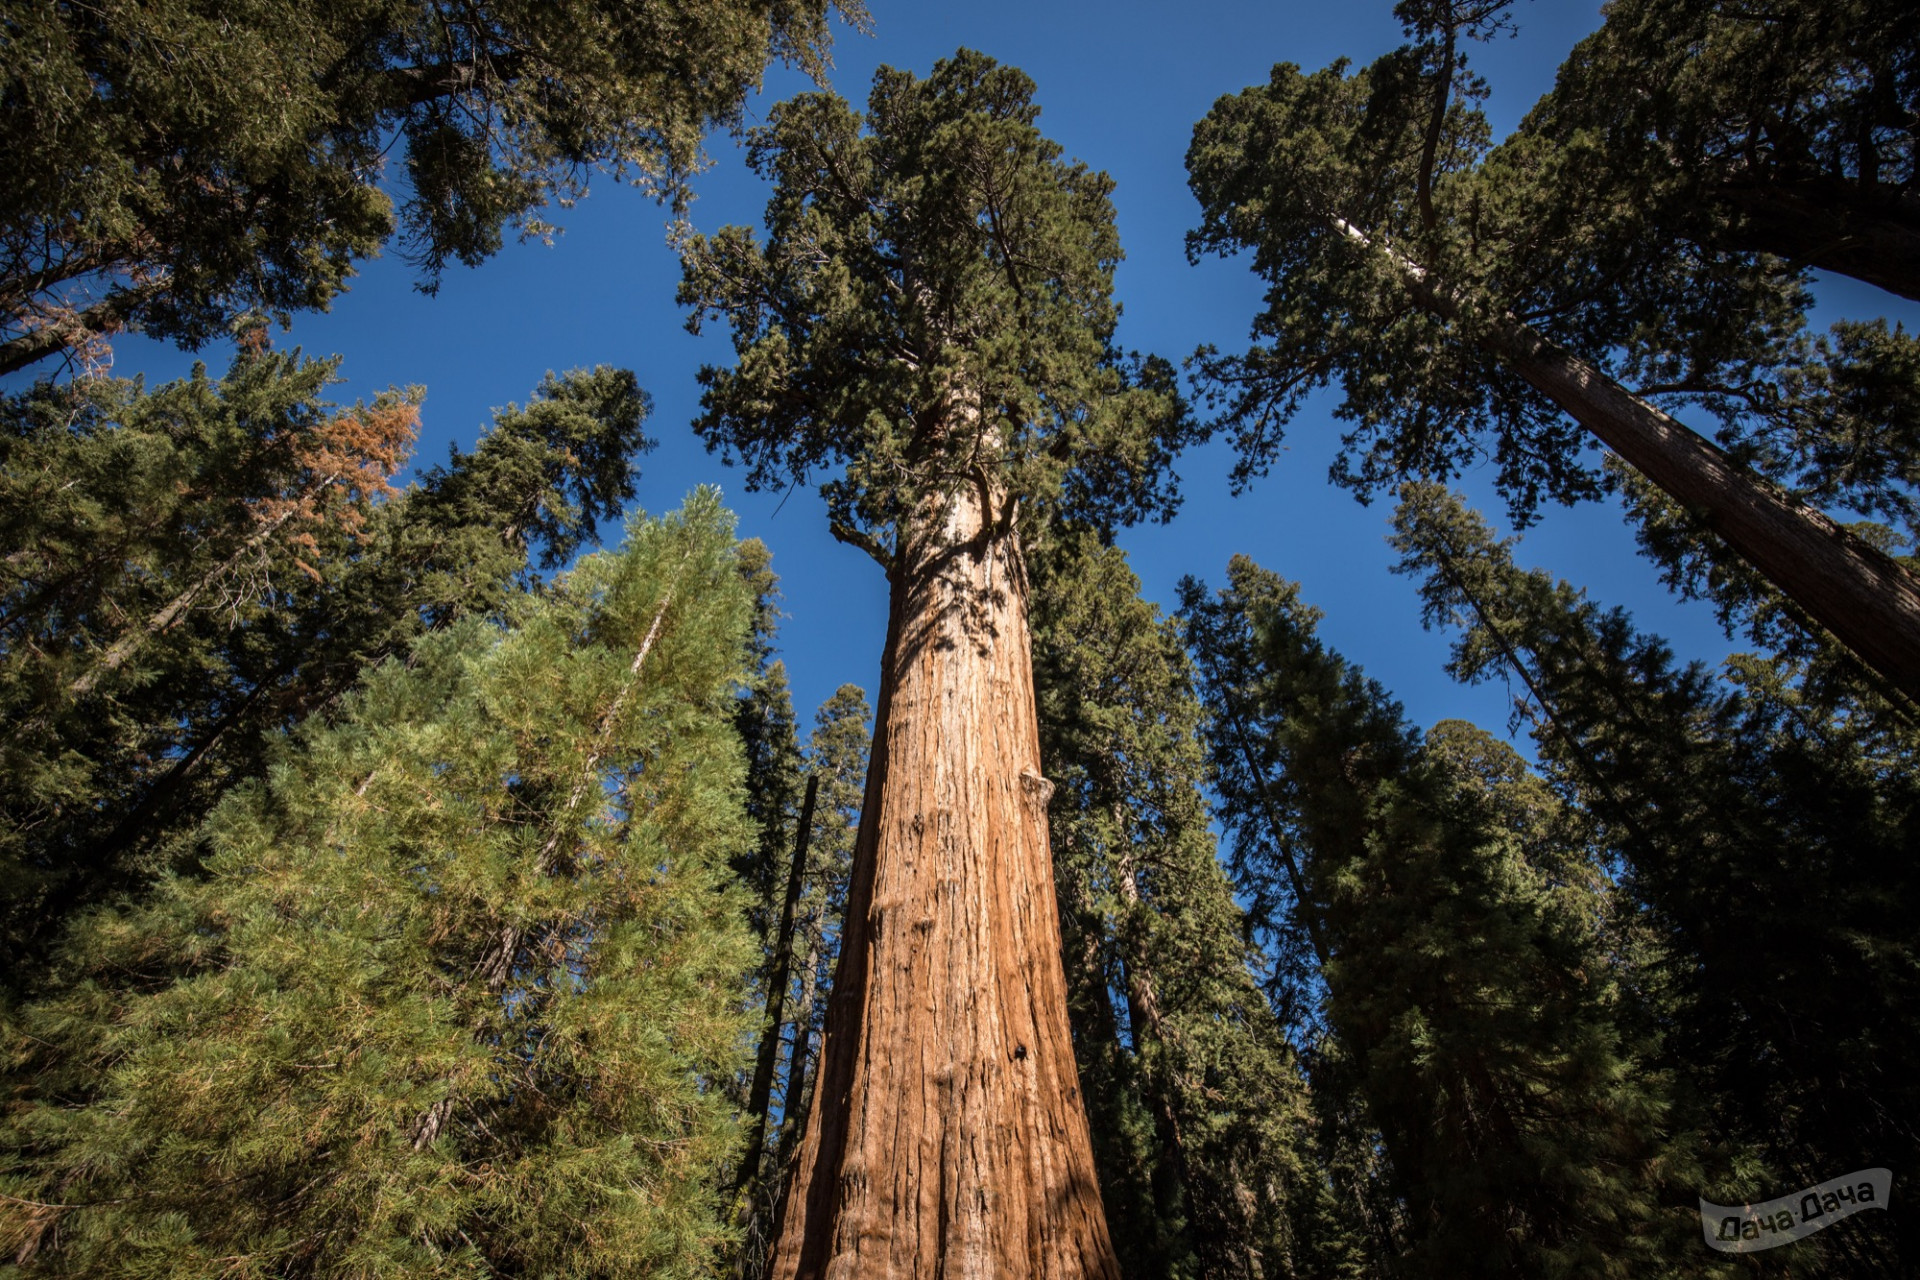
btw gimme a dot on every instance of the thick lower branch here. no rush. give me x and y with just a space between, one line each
1870 234
865 541
110 315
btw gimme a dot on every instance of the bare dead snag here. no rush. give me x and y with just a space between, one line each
760 1094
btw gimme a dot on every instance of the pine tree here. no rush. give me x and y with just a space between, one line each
1469 310
459 982
189 569
1765 832
149 188
1466 984
1199 1107
929 322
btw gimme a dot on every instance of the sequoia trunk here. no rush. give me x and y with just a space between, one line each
947 1136
1857 592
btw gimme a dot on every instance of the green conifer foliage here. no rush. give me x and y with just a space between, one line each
903 275
836 767
185 570
1766 832
1467 987
459 985
173 164
767 729
1787 129
1520 304
764 719
1199 1109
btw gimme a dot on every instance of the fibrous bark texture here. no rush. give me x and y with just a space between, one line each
947 1136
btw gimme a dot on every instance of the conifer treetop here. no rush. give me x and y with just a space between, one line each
1338 182
931 307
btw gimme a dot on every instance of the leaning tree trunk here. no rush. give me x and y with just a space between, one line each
947 1136
1858 593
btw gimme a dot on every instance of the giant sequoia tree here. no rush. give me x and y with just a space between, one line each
929 324
1468 309
170 165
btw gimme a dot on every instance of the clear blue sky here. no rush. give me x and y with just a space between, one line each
1120 85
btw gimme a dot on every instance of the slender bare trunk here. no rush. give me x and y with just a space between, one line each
760 1096
792 1099
947 1136
170 613
1862 596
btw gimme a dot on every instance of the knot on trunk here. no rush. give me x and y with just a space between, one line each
1037 787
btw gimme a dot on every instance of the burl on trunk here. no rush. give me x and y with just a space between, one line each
947 1135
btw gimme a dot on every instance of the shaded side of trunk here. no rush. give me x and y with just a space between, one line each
947 1135
1835 225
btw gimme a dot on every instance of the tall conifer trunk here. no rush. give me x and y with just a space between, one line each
947 1135
941 323
1865 598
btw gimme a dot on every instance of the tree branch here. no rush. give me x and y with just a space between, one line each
417 86
109 315
865 541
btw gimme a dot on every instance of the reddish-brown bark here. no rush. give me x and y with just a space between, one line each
947 1136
